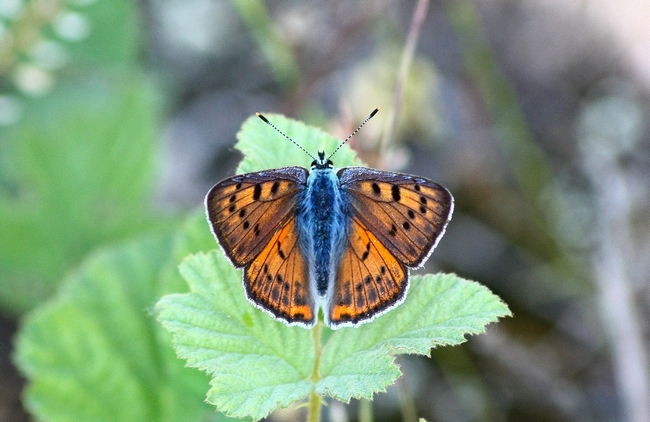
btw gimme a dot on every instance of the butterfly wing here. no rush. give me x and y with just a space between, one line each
397 220
408 214
369 280
277 280
245 211
253 218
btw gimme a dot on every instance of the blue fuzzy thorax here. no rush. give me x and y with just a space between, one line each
323 222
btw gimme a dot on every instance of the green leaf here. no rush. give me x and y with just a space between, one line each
114 39
82 172
192 238
265 148
96 353
257 363
440 310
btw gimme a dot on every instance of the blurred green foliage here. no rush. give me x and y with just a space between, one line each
96 353
77 168
82 174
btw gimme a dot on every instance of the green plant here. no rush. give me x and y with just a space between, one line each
78 164
95 352
258 364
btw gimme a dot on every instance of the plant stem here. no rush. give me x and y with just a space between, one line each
621 316
275 48
406 400
365 410
402 74
313 409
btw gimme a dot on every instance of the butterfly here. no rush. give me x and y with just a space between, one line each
341 241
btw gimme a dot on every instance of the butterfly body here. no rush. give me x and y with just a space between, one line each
323 220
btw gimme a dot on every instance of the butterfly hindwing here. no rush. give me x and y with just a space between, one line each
277 280
407 214
246 210
369 281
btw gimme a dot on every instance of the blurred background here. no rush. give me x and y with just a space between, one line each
117 116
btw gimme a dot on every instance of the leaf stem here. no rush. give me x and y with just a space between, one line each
313 409
365 411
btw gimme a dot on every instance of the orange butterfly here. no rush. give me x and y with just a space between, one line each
337 241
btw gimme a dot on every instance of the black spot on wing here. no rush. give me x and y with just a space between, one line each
280 251
345 299
396 193
275 187
365 254
257 191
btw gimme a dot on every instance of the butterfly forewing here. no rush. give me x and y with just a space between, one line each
277 280
370 279
408 214
246 210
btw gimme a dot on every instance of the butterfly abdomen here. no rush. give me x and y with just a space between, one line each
323 222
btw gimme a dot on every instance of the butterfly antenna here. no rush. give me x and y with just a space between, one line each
355 132
283 134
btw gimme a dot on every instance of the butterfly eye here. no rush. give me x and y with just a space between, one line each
330 163
313 163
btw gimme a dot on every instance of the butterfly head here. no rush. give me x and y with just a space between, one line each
321 163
